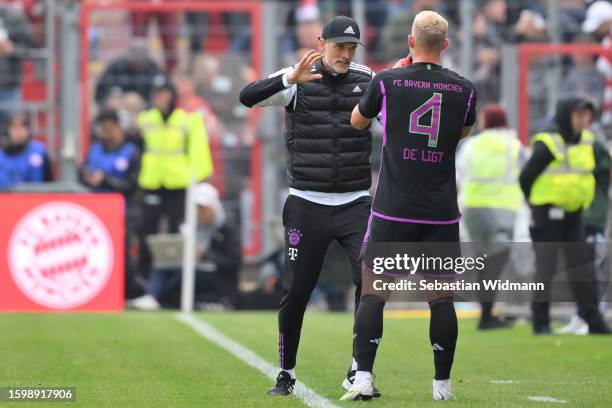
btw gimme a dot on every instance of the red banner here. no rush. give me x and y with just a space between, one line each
61 252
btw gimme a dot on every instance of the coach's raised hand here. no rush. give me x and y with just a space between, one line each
303 71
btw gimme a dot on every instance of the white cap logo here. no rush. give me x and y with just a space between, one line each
35 160
121 164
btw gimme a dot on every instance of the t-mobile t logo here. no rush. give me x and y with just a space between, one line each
293 253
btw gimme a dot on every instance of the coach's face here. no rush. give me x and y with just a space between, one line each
337 56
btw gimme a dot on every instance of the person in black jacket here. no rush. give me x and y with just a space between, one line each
134 72
219 249
551 223
328 168
16 38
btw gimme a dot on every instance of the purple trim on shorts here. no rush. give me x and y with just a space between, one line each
468 106
398 219
384 113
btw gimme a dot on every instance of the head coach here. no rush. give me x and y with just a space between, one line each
328 168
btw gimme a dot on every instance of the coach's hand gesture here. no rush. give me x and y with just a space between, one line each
302 72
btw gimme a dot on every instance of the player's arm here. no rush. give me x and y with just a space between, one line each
369 105
358 121
279 88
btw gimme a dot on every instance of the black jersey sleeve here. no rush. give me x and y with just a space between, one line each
371 102
272 91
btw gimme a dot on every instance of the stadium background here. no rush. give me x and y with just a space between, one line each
522 54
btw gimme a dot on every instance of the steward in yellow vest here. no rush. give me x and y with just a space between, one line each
175 151
488 167
175 148
491 170
558 183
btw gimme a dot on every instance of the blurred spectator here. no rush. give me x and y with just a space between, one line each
219 249
489 164
376 15
175 152
300 26
190 101
583 78
599 23
196 24
134 72
113 164
15 40
572 14
167 25
487 73
558 184
22 159
595 221
394 41
530 27
218 254
499 30
308 31
219 81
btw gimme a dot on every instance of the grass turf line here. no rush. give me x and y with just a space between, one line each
573 368
125 360
153 360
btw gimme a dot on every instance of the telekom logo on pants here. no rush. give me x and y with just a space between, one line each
60 255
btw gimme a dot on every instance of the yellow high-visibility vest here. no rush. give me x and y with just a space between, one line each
492 170
568 181
175 151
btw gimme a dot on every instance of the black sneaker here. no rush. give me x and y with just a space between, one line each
284 384
350 378
494 322
599 327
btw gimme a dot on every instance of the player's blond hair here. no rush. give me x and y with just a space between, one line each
429 31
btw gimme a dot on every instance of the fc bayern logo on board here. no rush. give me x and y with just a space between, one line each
60 255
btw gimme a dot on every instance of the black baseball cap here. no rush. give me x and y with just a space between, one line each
342 29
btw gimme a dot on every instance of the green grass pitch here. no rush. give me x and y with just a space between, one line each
153 360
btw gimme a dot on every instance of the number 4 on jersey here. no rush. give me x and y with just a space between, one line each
433 104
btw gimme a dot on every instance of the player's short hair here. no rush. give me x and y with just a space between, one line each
429 30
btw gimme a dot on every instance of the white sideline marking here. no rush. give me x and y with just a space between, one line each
310 398
547 399
504 382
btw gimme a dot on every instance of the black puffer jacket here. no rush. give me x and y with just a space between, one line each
324 152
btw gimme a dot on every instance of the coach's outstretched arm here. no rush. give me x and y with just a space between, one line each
369 105
279 88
